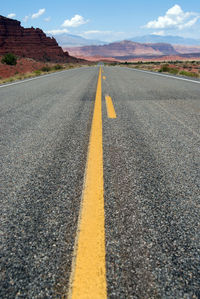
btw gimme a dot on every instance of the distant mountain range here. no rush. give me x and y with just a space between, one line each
126 50
69 40
174 40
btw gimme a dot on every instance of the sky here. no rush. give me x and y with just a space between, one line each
108 20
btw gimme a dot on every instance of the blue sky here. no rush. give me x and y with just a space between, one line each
108 20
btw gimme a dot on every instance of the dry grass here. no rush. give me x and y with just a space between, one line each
182 68
40 72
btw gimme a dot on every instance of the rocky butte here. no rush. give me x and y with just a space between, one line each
29 42
124 49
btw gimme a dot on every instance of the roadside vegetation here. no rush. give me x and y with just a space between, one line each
46 69
182 68
9 59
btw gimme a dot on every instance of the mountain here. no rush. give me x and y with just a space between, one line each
124 49
69 40
174 40
187 49
29 42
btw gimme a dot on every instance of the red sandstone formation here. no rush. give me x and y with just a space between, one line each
182 49
29 42
124 48
130 51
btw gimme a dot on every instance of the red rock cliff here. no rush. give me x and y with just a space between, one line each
29 42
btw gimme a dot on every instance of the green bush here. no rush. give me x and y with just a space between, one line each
58 67
173 71
9 59
45 69
164 68
189 74
37 72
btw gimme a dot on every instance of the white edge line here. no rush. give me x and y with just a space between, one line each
35 78
163 75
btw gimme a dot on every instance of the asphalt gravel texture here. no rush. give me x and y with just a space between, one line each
151 167
45 126
151 181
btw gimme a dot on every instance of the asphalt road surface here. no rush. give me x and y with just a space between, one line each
151 183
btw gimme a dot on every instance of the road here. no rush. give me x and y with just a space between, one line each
127 139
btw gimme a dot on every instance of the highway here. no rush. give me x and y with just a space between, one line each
100 192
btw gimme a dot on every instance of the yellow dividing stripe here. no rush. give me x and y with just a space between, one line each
110 108
88 278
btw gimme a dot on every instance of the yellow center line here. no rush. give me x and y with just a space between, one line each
110 108
88 278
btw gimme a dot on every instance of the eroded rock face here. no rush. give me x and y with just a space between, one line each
29 42
124 49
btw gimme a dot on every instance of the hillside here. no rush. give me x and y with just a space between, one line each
29 42
187 49
124 48
127 50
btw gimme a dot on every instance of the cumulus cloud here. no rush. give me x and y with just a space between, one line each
38 14
57 31
11 15
47 19
25 19
176 18
76 21
161 33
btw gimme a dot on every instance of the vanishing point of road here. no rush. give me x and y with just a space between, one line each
100 189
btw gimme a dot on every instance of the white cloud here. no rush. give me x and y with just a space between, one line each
47 19
95 32
38 14
76 21
11 15
25 19
57 31
189 23
176 18
160 33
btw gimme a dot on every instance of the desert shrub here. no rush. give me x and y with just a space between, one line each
58 67
189 74
37 72
9 59
164 68
173 71
45 68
